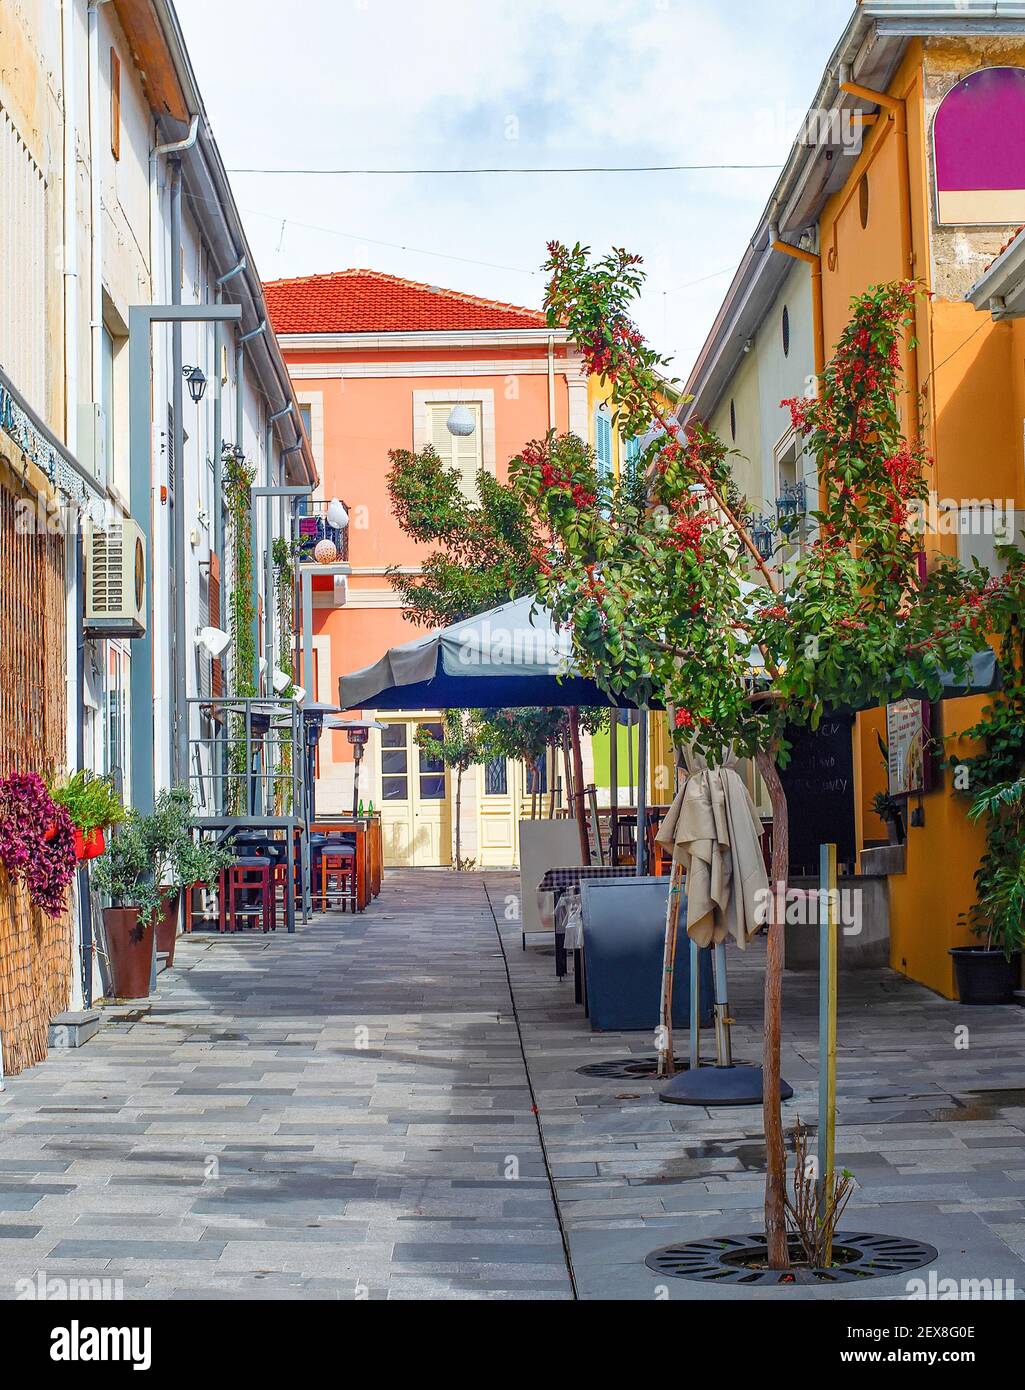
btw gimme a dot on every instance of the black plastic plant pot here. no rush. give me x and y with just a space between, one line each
986 976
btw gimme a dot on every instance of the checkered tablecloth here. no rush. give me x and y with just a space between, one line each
558 880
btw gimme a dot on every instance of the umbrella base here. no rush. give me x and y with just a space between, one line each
719 1086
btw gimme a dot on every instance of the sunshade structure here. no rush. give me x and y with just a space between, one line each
511 658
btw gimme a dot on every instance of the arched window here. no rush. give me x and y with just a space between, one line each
979 146
786 331
733 420
864 199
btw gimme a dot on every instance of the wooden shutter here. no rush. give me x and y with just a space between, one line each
464 453
115 104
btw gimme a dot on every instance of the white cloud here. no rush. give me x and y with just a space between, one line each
398 84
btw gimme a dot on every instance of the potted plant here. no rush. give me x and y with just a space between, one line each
94 807
169 834
990 973
127 874
891 812
197 864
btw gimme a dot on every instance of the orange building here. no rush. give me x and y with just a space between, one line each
911 164
379 363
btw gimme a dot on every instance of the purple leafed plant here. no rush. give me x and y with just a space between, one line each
37 841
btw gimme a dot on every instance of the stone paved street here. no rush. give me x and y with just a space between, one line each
934 1135
245 1137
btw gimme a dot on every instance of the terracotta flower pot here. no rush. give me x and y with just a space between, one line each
167 923
89 844
130 952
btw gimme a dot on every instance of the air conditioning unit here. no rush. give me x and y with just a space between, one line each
115 580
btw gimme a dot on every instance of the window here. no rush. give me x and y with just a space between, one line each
864 199
603 441
115 104
462 452
786 331
395 763
733 420
496 777
432 770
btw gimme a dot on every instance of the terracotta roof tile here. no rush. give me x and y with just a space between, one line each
368 301
1006 247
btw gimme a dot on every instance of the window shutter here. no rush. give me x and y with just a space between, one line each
464 453
603 443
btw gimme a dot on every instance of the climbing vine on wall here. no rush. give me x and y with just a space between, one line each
238 484
283 553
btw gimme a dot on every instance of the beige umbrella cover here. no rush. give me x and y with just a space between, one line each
714 832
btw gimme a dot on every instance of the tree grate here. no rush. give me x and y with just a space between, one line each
735 1260
624 1069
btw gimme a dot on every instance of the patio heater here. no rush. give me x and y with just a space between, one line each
313 727
358 731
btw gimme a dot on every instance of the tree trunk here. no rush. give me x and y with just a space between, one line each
459 820
564 741
775 1148
578 779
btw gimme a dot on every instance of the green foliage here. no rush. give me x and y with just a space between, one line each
995 778
656 581
126 873
238 486
148 853
887 808
484 555
524 735
90 800
460 747
283 553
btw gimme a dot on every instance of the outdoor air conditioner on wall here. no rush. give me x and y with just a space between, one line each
115 580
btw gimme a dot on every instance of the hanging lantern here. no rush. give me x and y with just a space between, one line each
337 516
462 422
326 552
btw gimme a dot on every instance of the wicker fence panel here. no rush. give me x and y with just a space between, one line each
35 951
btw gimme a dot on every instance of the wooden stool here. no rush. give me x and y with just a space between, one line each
247 877
339 863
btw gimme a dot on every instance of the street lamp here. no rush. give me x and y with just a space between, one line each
196 382
763 533
791 506
358 731
313 727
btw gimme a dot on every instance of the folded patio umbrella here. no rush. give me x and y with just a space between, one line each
714 832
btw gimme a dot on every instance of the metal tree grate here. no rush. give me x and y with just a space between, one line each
735 1260
624 1069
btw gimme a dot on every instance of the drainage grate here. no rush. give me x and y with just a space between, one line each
625 1069
735 1260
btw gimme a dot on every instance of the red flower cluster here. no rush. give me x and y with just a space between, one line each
687 532
684 719
778 614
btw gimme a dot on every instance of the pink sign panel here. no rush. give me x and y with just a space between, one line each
979 143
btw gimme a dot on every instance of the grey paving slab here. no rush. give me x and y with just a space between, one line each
934 1135
237 1140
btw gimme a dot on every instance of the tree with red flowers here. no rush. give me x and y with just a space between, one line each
654 572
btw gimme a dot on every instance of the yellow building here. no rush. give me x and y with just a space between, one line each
904 169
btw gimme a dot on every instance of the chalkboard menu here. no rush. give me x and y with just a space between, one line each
819 784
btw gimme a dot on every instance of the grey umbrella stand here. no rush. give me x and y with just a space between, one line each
724 1083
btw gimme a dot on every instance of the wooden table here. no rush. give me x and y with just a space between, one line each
367 833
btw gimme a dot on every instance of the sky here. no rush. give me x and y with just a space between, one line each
464 84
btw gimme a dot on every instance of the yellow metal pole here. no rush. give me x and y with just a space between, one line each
828 947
